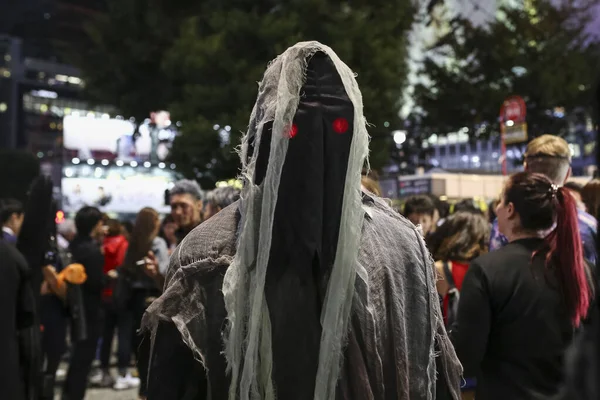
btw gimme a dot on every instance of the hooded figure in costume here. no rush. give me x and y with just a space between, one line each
306 288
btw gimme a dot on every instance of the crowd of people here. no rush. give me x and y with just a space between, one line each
312 285
517 279
125 265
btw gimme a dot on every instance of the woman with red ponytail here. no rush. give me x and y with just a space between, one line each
520 305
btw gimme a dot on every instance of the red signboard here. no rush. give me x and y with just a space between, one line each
513 109
513 128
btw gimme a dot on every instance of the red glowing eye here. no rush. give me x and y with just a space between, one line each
293 131
340 125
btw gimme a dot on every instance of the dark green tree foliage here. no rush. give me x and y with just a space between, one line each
121 60
539 52
203 61
17 170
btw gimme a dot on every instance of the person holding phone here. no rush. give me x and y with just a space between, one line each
146 260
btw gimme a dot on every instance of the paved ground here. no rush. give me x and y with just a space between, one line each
99 394
109 394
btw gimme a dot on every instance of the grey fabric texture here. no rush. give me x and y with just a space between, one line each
248 337
395 320
380 309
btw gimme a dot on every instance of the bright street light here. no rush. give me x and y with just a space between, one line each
399 137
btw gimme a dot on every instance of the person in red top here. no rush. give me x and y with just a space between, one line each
460 239
463 237
115 247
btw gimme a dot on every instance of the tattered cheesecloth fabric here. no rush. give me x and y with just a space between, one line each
305 288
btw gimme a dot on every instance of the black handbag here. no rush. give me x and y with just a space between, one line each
123 291
453 297
75 304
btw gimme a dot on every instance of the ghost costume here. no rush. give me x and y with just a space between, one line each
306 288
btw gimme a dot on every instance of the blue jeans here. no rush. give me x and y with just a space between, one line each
123 323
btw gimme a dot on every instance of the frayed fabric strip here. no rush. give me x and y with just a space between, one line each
246 337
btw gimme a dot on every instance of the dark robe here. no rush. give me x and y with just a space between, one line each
391 348
316 292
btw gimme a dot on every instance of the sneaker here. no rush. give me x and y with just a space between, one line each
102 379
107 381
126 382
96 377
61 373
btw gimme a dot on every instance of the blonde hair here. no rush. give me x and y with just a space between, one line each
549 155
371 185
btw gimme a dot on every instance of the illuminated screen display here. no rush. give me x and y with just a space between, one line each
115 139
115 189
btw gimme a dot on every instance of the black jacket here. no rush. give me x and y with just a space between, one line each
513 327
16 308
87 252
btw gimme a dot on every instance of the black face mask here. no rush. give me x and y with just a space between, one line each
307 220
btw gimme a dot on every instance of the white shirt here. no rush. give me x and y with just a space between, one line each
8 231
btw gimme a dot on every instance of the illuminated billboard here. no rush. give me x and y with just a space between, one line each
115 189
104 138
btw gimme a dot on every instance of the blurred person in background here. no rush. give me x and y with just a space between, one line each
127 228
420 211
147 251
521 305
492 210
186 206
467 205
582 362
35 244
66 232
218 199
54 311
463 237
436 213
551 156
442 210
85 250
115 247
370 185
168 229
14 282
590 195
575 189
12 215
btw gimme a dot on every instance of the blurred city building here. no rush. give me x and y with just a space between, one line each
38 86
35 95
94 156
465 151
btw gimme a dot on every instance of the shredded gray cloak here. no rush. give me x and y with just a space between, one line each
305 289
396 319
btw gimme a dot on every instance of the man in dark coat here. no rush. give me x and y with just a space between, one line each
16 303
305 288
11 218
85 250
